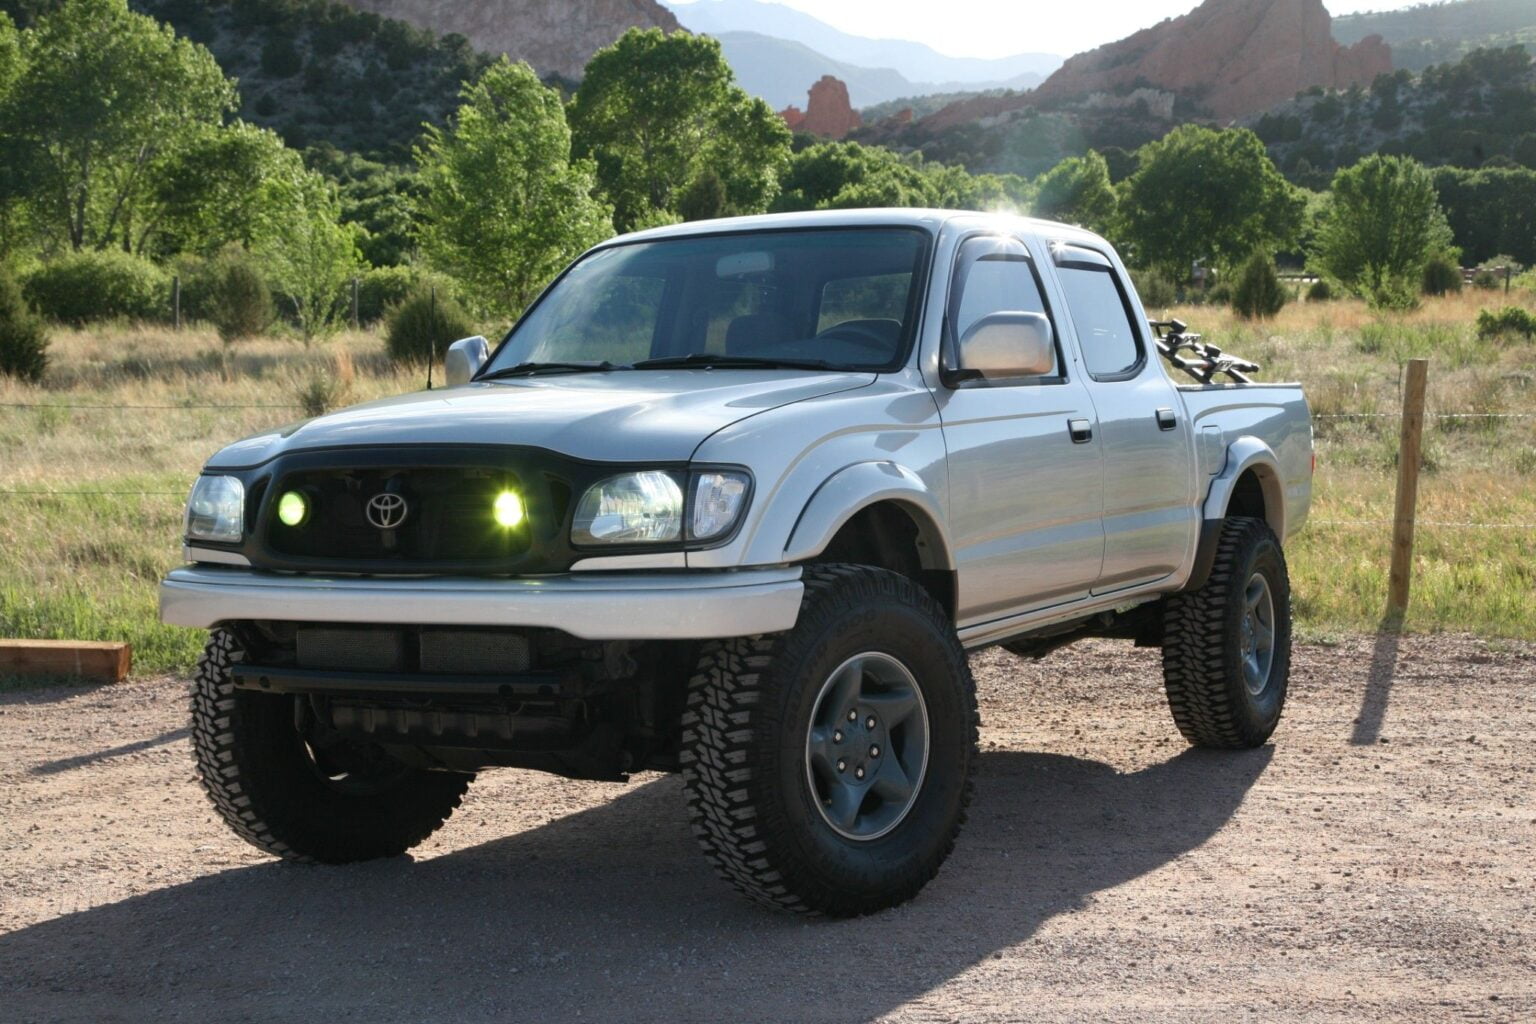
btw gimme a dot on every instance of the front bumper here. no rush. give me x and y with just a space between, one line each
589 605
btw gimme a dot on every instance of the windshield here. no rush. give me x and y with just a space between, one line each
842 298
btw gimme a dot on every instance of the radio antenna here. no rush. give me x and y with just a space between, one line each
431 336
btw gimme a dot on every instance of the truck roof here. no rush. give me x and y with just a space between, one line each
927 219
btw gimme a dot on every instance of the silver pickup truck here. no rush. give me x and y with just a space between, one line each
735 498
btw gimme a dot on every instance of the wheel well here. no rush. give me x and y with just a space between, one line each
885 535
1247 497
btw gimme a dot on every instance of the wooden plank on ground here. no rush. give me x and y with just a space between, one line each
87 659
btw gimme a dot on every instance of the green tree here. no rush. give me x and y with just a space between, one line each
1382 225
846 175
657 111
208 191
305 250
1258 293
1203 194
102 93
1077 191
505 207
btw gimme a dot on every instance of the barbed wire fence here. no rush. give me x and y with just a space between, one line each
26 492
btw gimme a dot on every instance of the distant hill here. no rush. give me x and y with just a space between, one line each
1439 32
780 71
916 62
318 72
555 36
1477 112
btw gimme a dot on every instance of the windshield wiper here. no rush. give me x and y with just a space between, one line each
711 359
535 369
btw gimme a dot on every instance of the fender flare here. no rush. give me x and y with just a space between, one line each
854 488
1245 454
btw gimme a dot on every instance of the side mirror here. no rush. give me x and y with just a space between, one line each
1013 343
464 359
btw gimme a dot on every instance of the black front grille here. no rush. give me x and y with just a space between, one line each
445 514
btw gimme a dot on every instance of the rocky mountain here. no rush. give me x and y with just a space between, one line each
828 112
555 36
1232 57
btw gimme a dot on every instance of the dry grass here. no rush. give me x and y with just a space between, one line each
86 565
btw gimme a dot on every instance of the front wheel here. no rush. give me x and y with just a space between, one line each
1227 645
302 796
828 768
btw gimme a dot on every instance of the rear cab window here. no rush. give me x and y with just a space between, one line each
1112 346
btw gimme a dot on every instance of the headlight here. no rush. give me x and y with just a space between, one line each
718 496
636 508
216 510
648 508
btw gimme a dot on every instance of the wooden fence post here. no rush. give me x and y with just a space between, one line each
1409 452
354 302
176 301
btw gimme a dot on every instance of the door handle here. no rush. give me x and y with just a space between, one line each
1081 431
1166 419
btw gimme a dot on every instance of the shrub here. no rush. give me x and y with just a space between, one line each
1258 294
87 286
326 388
1441 277
420 328
23 335
239 302
1321 291
1509 322
381 288
1156 291
1219 294
1486 280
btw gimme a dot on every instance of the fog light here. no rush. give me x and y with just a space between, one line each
508 509
292 509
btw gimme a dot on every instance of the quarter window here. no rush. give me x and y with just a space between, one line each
1110 342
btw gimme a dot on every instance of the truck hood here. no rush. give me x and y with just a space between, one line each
621 416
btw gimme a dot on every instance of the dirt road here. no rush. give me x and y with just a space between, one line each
1375 863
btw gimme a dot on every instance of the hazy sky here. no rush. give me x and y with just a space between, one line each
996 28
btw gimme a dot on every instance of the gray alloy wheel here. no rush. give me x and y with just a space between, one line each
866 750
1257 638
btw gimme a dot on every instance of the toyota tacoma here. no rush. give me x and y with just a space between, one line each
735 499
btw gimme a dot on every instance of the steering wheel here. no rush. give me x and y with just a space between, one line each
857 334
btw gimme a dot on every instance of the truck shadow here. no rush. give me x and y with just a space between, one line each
611 914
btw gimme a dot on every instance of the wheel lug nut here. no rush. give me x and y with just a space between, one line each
874 751
869 723
837 736
842 766
853 716
858 773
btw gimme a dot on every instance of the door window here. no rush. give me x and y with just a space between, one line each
1112 347
995 275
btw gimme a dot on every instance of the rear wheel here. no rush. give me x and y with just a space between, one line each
828 768
1227 646
288 790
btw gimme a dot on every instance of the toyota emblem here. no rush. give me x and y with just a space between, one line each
387 511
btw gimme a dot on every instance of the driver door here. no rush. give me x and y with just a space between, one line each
1025 474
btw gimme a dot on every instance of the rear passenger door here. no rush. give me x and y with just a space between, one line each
1149 516
1024 494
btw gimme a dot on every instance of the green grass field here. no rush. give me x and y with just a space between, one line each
96 462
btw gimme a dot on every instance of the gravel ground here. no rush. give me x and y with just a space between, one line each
1375 863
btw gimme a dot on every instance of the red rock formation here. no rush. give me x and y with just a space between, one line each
1233 57
827 112
552 35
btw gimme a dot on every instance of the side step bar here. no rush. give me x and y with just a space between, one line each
334 681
